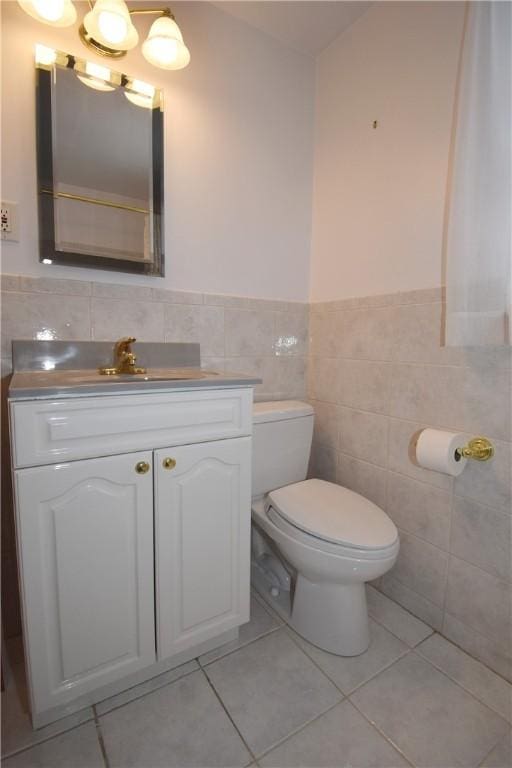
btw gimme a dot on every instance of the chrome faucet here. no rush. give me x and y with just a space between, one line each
124 358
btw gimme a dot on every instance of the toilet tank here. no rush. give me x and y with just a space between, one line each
281 444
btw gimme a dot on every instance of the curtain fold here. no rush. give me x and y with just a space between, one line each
479 231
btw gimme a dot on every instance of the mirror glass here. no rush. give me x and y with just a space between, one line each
100 166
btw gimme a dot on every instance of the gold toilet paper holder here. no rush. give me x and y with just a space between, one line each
479 448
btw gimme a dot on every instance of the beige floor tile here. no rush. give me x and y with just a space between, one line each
501 755
349 672
399 621
471 674
431 719
270 688
147 687
180 725
342 738
79 748
261 623
17 731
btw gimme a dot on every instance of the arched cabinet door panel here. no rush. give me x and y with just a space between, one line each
202 534
86 567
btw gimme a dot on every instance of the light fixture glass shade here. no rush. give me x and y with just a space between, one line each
96 76
164 46
110 24
141 94
58 13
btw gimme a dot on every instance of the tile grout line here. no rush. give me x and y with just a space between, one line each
218 697
457 682
146 693
299 729
43 740
384 736
233 650
99 734
445 674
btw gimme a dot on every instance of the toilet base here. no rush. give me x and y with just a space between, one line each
333 617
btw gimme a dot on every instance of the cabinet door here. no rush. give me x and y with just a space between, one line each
202 534
85 537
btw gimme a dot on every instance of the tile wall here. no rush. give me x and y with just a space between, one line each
378 373
265 338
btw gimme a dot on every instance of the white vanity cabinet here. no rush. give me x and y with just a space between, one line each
138 556
85 534
202 541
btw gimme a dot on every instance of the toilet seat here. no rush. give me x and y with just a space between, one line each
334 517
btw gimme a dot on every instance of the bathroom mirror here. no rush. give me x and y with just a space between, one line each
100 166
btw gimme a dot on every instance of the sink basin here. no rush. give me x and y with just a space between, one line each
152 374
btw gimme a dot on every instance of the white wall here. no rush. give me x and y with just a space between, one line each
238 143
379 194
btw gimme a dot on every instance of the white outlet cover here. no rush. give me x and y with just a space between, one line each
11 209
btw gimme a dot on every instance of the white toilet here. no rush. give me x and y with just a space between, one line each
314 543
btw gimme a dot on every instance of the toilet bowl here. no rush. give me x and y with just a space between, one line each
330 539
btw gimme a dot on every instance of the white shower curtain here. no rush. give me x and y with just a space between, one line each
478 235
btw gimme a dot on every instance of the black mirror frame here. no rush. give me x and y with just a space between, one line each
46 201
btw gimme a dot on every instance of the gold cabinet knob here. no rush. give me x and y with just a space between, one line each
169 463
142 467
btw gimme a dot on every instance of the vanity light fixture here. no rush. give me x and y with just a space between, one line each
109 31
58 13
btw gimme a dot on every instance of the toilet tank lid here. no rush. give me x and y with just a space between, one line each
278 410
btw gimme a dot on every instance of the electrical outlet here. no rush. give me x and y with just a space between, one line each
9 221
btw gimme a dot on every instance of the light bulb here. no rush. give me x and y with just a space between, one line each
109 24
164 46
96 77
58 13
45 55
141 94
51 10
164 49
112 26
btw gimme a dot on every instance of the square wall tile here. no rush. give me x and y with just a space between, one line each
325 429
428 393
489 482
195 323
249 332
44 316
364 385
420 509
484 648
392 616
470 674
482 536
417 604
363 478
422 567
363 435
112 319
480 601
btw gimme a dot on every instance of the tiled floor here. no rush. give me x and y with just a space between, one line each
271 699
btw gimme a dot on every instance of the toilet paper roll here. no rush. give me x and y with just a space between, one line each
436 450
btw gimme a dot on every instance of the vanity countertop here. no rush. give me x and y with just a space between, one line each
55 369
30 385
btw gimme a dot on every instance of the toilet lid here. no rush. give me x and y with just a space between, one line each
334 513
